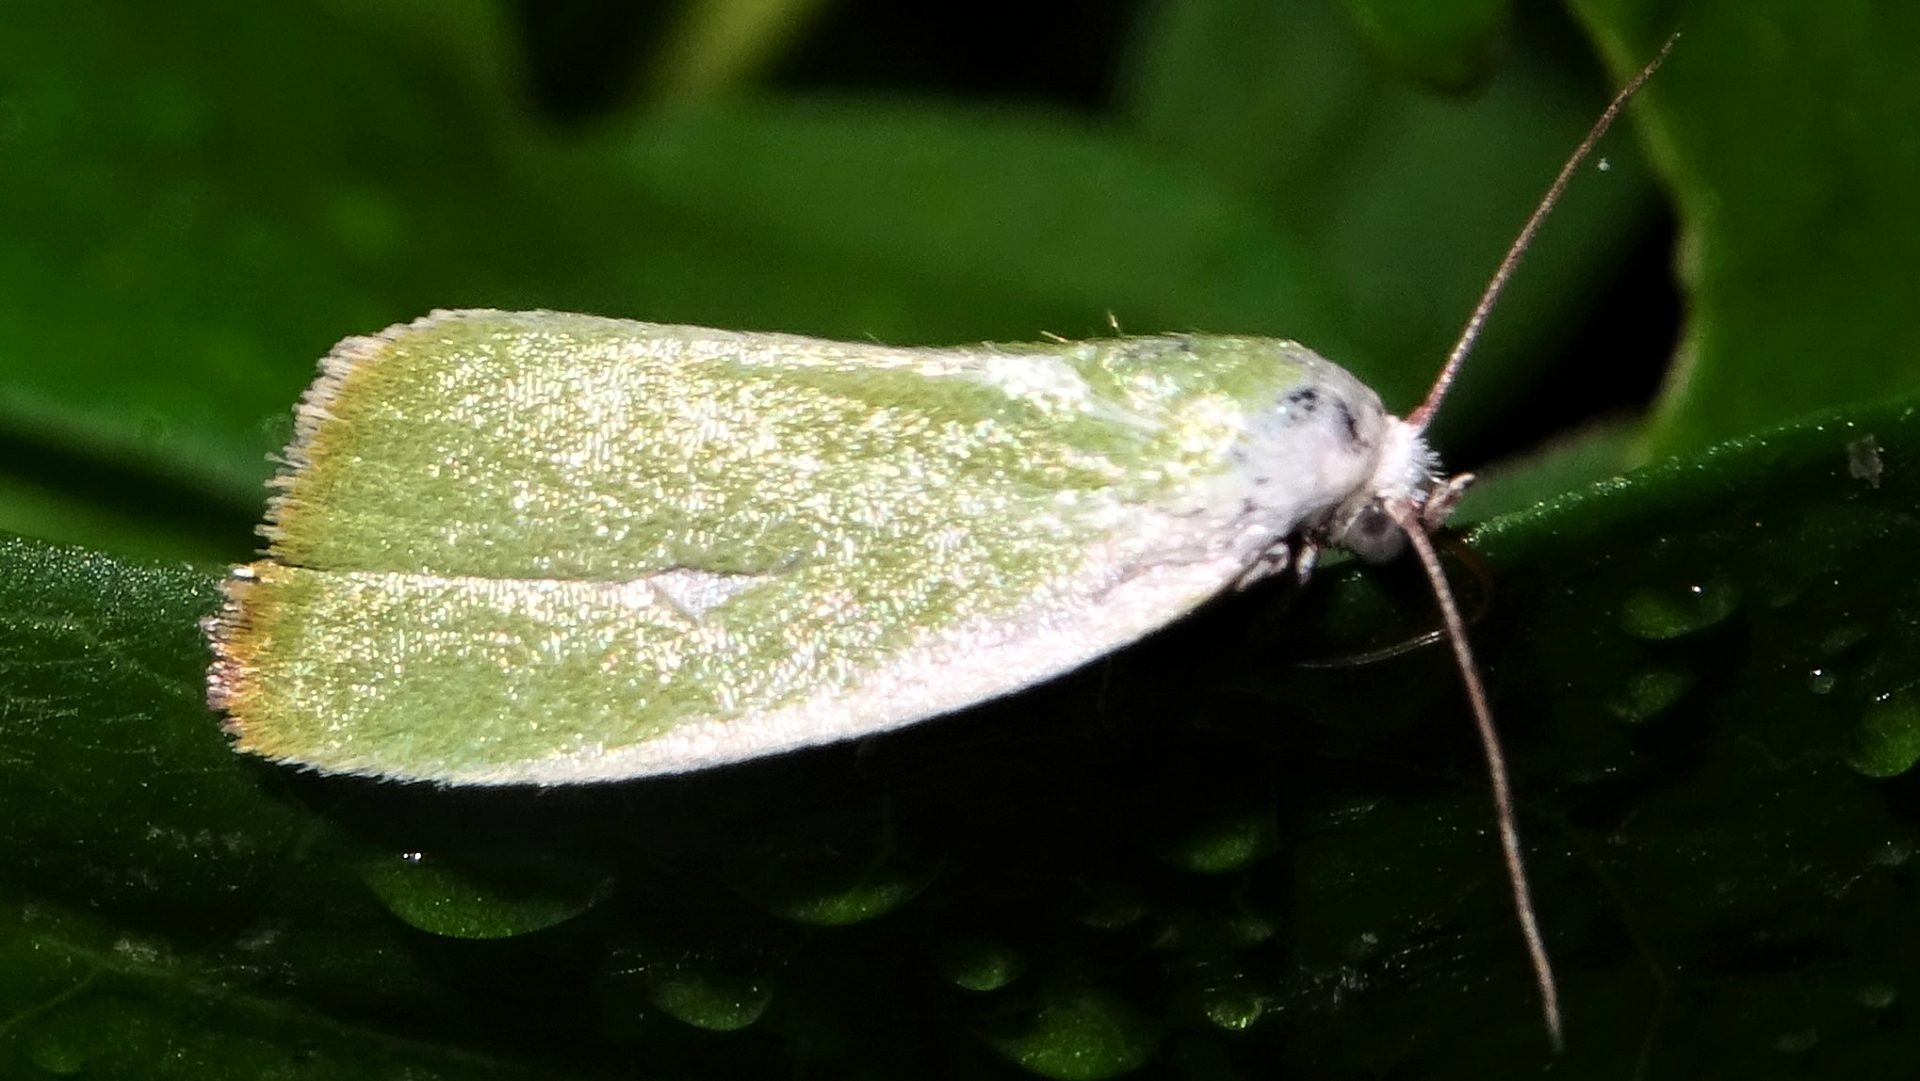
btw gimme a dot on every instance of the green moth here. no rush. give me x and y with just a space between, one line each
544 548
540 548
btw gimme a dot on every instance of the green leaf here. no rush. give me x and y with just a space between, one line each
227 212
1776 124
1446 46
719 43
1570 462
311 177
1704 674
1411 198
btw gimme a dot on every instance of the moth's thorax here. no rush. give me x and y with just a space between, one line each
1323 460
1314 449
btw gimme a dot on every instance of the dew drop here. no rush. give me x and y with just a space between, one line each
856 903
1228 843
1878 996
712 1000
1795 1043
1662 614
1648 694
1843 638
1247 929
978 964
1892 854
1235 1006
828 870
829 892
1887 742
1076 1033
485 897
62 1055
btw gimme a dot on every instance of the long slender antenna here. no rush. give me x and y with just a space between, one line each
1415 519
1408 519
1470 334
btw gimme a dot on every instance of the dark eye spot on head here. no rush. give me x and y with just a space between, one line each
1307 398
1373 535
1348 422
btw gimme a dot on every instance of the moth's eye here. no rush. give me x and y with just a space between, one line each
1372 535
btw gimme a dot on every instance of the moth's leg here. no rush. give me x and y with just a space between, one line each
1440 503
1295 552
1306 556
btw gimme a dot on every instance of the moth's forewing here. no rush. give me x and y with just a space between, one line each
534 547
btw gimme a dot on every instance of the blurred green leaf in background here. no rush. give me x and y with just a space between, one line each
1198 859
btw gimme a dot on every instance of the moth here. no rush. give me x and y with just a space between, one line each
542 548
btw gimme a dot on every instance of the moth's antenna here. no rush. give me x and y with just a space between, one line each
1470 334
1408 519
1416 519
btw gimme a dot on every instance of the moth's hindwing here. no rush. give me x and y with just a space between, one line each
534 547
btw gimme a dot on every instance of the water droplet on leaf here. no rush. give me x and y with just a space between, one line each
1648 694
712 1000
1235 1006
978 964
1662 614
1222 844
1887 742
1076 1033
482 896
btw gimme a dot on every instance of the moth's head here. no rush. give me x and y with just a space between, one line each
1407 475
